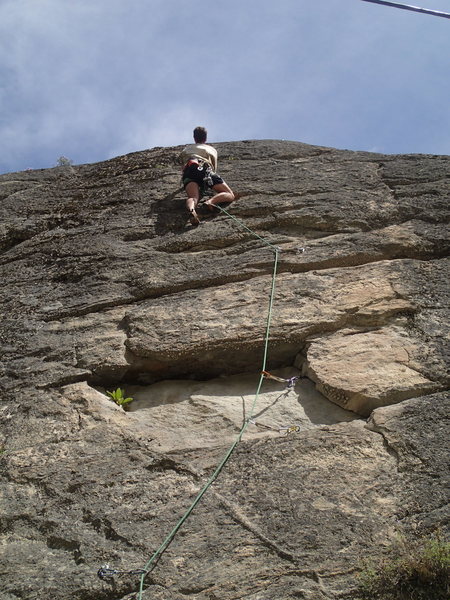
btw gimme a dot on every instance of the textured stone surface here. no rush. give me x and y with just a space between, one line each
296 512
187 415
381 366
106 285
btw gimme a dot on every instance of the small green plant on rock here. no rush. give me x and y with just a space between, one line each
118 396
412 570
63 161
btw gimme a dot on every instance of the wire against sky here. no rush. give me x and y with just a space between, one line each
427 11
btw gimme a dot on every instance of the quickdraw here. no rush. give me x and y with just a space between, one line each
106 571
290 381
290 429
286 429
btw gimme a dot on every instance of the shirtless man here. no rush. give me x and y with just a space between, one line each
199 173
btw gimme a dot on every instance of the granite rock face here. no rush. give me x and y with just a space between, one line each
105 284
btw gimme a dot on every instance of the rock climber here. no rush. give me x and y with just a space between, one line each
199 174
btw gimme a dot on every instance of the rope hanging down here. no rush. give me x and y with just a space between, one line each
263 375
427 11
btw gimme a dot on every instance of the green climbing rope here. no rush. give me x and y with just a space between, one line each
230 450
241 224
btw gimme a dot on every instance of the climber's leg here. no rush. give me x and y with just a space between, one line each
193 192
224 194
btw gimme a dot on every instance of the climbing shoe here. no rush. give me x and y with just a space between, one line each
210 206
194 217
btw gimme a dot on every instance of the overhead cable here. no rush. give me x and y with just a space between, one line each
427 11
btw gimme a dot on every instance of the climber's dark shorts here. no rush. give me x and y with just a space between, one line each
196 173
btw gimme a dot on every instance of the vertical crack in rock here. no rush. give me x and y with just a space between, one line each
240 518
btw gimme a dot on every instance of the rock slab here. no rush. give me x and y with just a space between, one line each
106 285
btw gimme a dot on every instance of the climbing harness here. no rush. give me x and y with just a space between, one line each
107 571
290 381
202 165
436 13
207 179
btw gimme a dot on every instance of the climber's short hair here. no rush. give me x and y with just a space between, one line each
200 135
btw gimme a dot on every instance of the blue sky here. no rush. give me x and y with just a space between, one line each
93 79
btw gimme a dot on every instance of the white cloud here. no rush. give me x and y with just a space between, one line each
91 79
168 127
